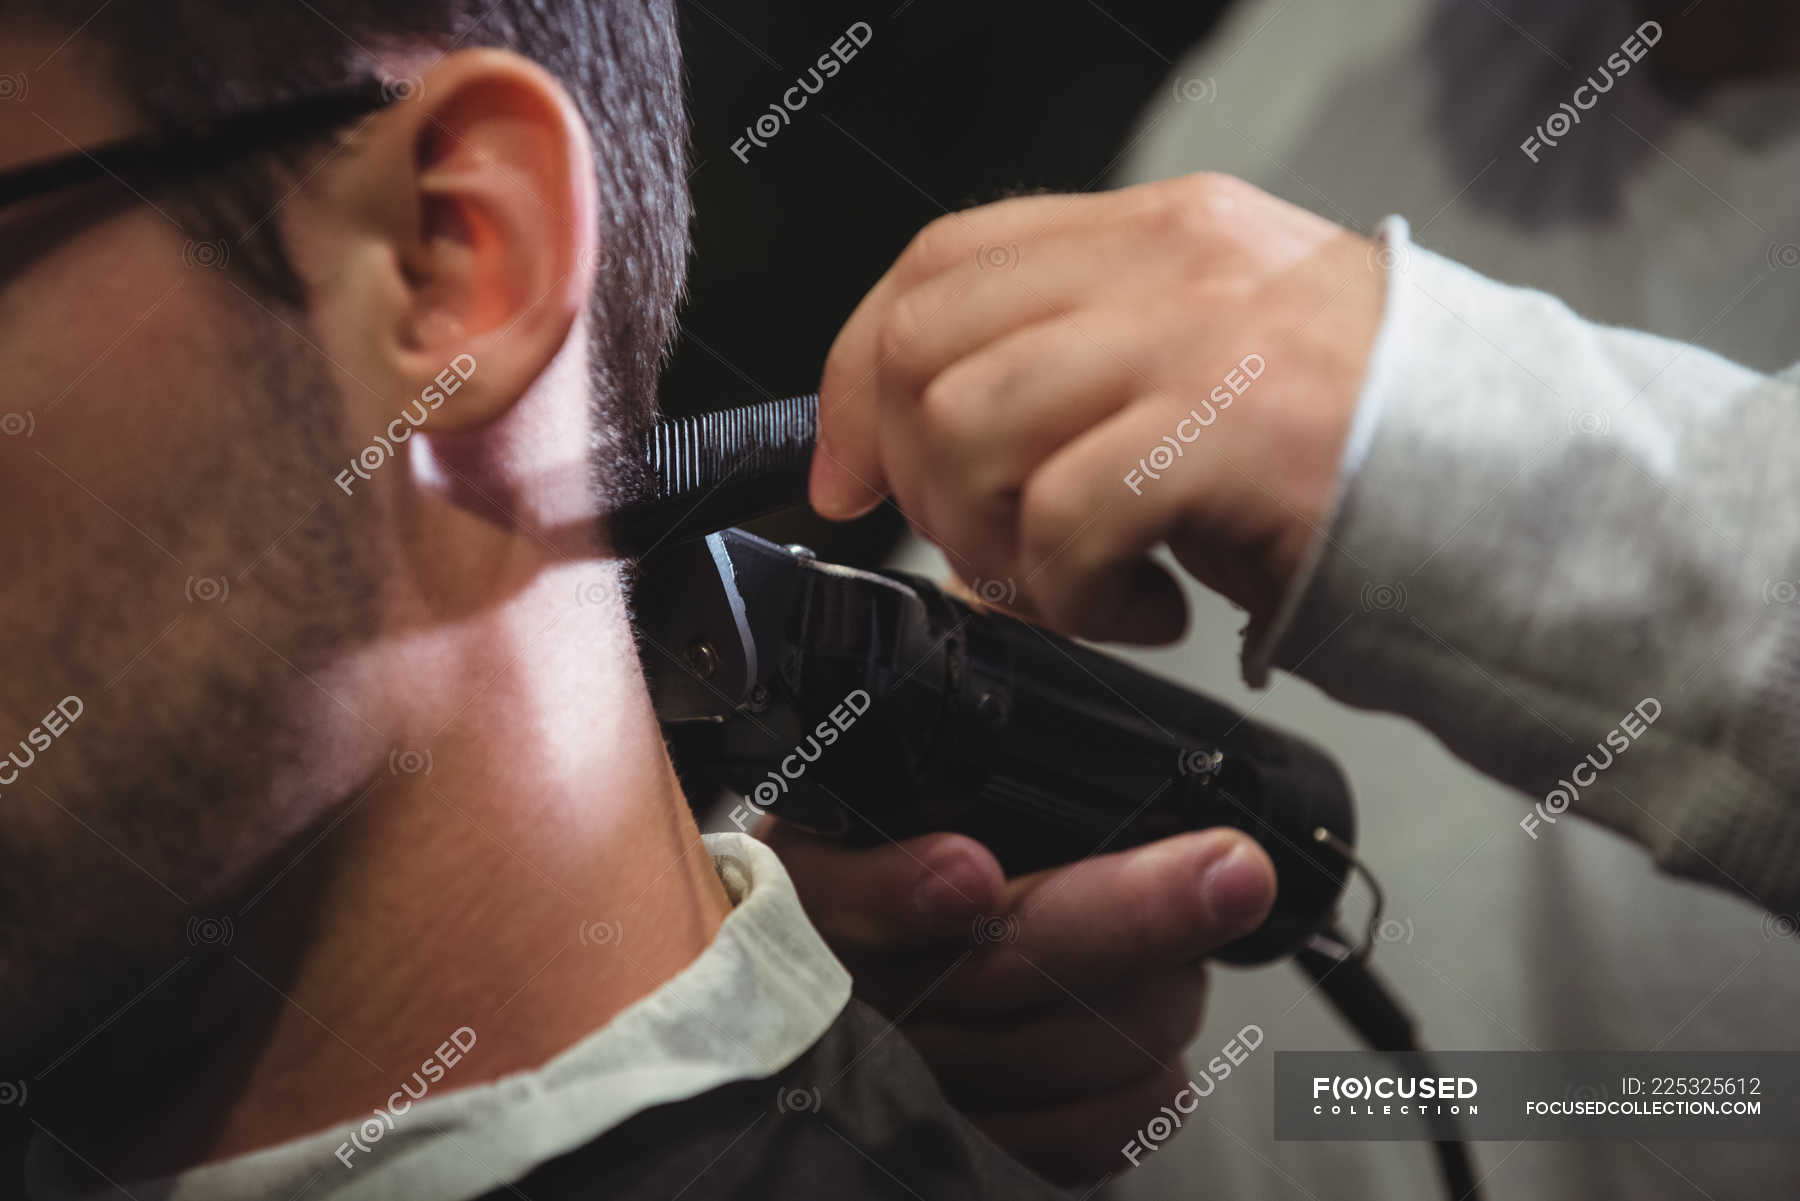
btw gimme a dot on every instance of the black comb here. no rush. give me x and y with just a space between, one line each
719 469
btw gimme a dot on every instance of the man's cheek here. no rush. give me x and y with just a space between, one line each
118 415
132 393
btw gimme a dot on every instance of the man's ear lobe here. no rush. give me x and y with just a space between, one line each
495 250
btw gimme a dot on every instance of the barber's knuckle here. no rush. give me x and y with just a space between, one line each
947 404
931 246
1198 210
898 336
1214 188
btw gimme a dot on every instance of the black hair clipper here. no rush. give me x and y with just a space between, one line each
872 705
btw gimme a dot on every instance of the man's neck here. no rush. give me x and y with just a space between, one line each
507 895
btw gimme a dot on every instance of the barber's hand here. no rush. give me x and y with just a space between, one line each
1053 1008
1052 386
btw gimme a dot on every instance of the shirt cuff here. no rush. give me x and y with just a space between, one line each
1391 254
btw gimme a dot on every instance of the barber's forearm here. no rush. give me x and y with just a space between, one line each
1546 523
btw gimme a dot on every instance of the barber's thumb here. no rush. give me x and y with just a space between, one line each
913 893
840 487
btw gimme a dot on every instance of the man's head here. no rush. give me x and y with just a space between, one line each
271 429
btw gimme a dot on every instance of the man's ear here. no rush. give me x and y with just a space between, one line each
472 205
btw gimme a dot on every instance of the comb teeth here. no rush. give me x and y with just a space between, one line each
691 455
719 469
